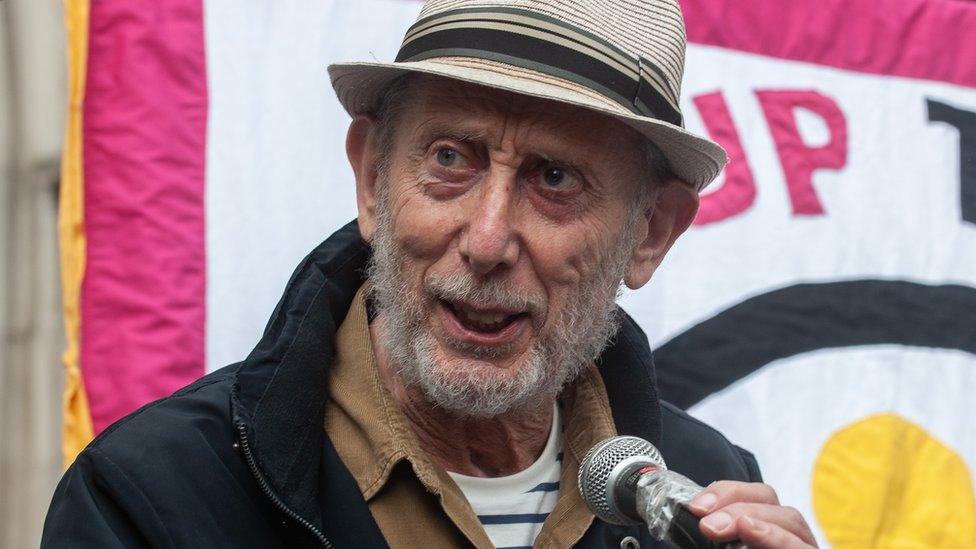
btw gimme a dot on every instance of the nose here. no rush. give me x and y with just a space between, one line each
490 242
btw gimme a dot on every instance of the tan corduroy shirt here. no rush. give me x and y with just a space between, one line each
412 498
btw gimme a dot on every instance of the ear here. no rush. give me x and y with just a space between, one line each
671 213
362 154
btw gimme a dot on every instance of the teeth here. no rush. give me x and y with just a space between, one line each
484 318
484 322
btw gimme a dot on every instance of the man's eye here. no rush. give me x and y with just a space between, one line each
557 178
449 158
554 177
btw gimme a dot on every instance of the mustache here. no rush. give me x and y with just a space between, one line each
485 293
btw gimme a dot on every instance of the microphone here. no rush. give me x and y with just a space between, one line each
624 480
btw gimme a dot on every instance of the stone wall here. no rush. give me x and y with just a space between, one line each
32 106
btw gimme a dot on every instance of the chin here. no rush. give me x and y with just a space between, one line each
477 386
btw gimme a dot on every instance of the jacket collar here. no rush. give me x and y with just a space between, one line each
279 392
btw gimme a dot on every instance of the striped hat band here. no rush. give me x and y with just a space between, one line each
535 41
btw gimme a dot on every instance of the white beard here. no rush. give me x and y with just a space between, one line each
472 386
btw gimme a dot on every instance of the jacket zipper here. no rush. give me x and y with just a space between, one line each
246 448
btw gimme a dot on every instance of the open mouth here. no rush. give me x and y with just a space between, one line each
482 321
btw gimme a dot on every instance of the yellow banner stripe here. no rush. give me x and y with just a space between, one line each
77 431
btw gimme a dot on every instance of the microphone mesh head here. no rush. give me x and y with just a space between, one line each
598 465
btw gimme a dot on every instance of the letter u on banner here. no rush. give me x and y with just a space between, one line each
738 192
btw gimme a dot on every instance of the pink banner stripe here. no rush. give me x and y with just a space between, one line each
145 114
926 39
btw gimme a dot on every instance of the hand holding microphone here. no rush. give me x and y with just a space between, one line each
624 480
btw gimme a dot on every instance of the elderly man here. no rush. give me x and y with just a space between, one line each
435 373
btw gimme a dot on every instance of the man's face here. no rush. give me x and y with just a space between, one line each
503 227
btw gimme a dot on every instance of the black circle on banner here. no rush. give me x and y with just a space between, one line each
736 342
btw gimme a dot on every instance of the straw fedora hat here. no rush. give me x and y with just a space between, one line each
623 58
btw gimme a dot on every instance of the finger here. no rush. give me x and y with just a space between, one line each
721 524
756 534
724 492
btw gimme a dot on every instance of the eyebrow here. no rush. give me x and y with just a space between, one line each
438 128
557 159
434 127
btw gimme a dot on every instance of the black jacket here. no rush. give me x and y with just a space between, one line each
240 458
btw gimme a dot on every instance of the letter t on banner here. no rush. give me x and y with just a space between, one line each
799 161
965 122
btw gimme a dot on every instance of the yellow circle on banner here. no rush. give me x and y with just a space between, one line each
884 482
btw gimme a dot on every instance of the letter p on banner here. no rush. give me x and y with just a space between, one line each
799 160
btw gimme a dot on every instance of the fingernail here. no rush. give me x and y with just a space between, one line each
717 522
754 525
704 502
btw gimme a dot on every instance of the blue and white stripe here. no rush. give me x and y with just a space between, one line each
512 509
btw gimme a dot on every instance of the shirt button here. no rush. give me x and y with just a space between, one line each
629 542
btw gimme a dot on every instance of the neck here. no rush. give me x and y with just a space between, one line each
481 447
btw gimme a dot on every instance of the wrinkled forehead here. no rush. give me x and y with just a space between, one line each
493 114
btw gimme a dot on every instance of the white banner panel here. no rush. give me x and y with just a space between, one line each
278 181
820 312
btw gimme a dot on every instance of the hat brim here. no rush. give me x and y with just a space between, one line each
693 159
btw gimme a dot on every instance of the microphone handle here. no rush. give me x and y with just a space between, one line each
685 534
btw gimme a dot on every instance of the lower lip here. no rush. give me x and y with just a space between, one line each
460 332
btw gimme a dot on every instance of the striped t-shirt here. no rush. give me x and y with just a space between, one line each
513 508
